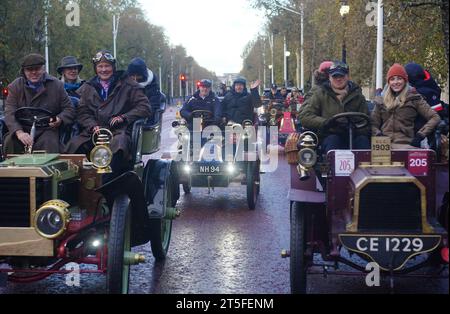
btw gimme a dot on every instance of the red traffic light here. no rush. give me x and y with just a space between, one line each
198 84
4 92
182 77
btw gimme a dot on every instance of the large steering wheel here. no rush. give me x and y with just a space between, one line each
29 115
349 120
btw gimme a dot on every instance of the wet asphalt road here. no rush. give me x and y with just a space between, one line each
219 246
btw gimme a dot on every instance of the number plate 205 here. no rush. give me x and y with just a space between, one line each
390 252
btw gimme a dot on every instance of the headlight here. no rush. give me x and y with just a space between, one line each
231 168
51 219
187 168
307 157
101 157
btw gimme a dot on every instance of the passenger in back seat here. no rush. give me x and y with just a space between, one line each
397 109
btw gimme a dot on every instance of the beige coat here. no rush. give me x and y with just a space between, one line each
398 122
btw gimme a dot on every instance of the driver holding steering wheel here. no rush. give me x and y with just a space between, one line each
48 100
203 99
340 95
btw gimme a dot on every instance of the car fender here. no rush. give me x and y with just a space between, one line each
308 191
156 174
130 184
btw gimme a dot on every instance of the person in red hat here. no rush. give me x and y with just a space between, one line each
396 111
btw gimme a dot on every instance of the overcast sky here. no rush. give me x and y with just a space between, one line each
214 32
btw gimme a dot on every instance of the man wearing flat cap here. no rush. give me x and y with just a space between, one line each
36 88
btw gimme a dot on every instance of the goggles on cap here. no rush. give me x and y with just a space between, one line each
103 55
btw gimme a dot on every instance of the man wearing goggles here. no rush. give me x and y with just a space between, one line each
203 99
339 95
112 100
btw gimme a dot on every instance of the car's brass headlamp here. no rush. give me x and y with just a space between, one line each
307 155
101 155
52 218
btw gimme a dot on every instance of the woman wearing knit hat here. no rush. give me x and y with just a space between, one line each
396 111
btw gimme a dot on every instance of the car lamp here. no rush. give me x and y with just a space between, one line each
231 168
187 168
51 219
101 155
307 155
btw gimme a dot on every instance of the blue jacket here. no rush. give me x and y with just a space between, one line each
210 103
238 107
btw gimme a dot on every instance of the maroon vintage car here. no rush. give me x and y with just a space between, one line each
387 206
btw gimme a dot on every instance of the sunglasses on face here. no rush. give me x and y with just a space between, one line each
103 55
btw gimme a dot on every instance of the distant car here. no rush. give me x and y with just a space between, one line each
213 168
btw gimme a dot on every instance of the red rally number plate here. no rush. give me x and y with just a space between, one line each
418 163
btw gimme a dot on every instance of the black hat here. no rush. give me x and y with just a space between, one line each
205 83
273 86
69 62
338 68
33 59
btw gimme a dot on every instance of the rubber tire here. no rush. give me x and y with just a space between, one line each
298 261
161 229
252 189
119 241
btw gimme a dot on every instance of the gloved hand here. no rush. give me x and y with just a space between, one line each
117 121
379 133
417 139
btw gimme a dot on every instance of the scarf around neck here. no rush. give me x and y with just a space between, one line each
340 93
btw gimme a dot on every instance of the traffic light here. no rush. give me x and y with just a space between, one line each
4 93
197 84
3 88
183 80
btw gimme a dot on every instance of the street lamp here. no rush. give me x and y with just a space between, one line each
345 9
287 54
301 13
271 73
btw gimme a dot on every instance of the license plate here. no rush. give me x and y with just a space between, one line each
209 169
390 251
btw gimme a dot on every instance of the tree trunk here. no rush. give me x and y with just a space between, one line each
444 11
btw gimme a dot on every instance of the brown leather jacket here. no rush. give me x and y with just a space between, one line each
126 98
52 97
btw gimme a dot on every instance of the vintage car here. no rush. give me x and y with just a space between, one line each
387 206
216 165
275 113
55 210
